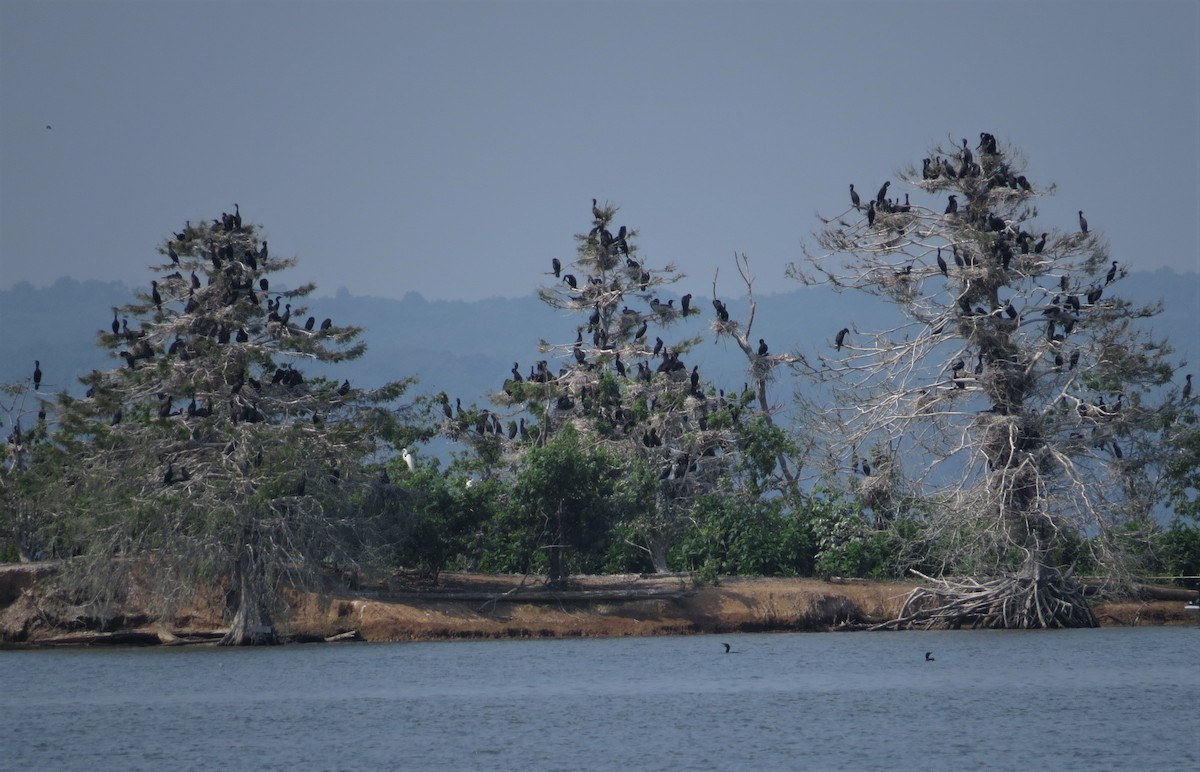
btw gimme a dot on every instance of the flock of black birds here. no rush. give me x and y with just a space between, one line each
236 259
977 302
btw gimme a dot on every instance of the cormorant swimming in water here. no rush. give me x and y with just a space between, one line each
929 656
729 650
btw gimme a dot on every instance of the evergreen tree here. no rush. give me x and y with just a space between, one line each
624 386
208 457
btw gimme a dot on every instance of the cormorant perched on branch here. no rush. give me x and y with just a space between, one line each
841 337
952 206
325 325
1083 226
155 296
685 304
1187 388
37 374
1112 274
172 254
599 215
881 196
854 199
941 261
762 347
116 326
722 311
1038 247
556 264
871 214
570 280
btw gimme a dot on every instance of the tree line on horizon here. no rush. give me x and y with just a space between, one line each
1016 427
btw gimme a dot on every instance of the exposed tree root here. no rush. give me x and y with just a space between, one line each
1036 597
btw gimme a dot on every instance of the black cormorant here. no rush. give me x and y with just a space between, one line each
871 214
881 196
556 264
1187 388
325 325
1038 247
685 304
942 262
762 347
155 296
952 206
854 199
841 337
37 374
1083 226
116 325
570 280
1112 273
929 656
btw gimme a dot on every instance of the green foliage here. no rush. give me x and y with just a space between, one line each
734 535
560 514
1178 549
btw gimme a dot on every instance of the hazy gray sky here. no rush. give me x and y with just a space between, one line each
453 148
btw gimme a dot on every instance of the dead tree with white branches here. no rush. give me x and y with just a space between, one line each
1014 390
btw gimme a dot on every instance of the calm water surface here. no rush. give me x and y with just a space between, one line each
1085 699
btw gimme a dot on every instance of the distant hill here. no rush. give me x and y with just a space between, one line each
467 349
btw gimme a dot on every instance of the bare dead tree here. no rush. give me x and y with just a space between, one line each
1013 391
761 365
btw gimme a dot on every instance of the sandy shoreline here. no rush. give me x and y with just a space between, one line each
476 606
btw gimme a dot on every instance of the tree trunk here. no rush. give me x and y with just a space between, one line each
251 624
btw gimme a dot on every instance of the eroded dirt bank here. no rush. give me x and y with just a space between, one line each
486 606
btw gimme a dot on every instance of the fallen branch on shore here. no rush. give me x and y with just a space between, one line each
1041 597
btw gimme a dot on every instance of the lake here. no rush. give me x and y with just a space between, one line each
990 700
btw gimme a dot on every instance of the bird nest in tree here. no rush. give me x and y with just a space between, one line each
1036 597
